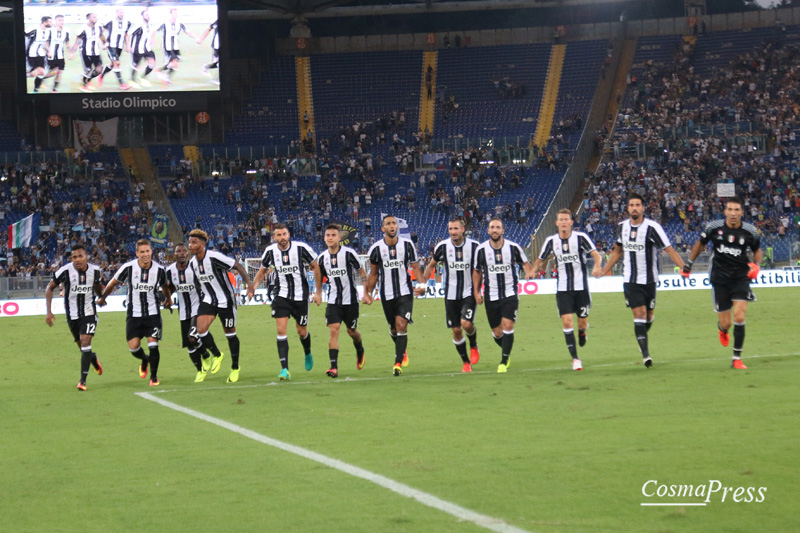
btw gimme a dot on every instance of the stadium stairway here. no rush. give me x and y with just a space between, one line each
127 158
550 94
427 106
305 97
154 191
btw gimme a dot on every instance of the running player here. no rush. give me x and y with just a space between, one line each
117 31
638 242
733 243
144 277
59 41
181 279
457 256
170 39
37 49
496 262
81 282
570 249
390 258
340 265
138 42
92 41
219 298
290 260
214 50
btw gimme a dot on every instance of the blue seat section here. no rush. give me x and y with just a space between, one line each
10 140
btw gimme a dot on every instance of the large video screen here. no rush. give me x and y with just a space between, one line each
115 46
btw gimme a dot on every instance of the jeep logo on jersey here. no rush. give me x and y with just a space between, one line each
206 278
569 258
141 287
393 263
186 287
337 273
632 247
286 270
735 252
456 265
499 269
81 289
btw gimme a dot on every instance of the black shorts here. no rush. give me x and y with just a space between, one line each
172 55
137 57
336 314
141 327
577 302
499 309
55 64
285 308
457 310
724 294
188 329
82 326
227 315
114 53
637 295
402 306
91 62
36 62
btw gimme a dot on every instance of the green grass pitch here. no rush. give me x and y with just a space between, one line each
189 76
543 448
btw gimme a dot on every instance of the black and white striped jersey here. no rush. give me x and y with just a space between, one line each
37 42
393 262
571 256
457 265
140 38
183 283
341 269
143 287
90 40
212 274
78 289
115 31
290 266
58 42
499 269
640 247
171 36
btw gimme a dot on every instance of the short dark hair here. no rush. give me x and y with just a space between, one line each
384 217
180 244
498 219
280 225
337 227
46 18
458 219
78 246
143 242
735 200
636 196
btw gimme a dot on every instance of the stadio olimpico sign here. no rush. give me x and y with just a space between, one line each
127 104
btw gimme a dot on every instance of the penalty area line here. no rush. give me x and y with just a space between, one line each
462 513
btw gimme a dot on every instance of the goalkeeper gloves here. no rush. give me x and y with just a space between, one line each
754 270
687 269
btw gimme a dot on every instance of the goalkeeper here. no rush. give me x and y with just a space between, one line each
736 252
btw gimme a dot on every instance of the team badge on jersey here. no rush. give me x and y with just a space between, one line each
633 234
565 247
741 240
731 238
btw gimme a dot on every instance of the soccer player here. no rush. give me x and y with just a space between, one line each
496 261
638 242
214 49
733 242
144 277
37 50
138 41
81 281
181 279
117 31
390 258
340 265
170 39
457 256
59 41
219 298
289 259
91 40
570 249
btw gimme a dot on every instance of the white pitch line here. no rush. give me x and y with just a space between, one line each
462 513
454 374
